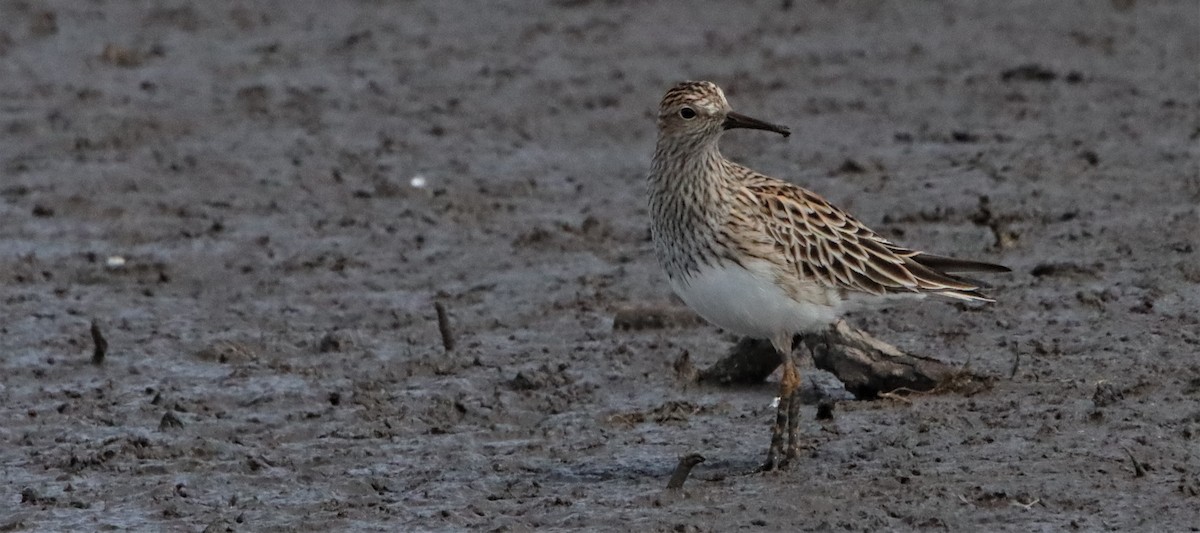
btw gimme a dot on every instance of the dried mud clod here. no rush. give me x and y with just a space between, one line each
169 421
228 352
684 369
825 410
671 411
333 341
542 377
1038 73
868 367
639 318
1107 394
1066 269
1029 72
1003 236
30 496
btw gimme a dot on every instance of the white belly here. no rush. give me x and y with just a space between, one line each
748 302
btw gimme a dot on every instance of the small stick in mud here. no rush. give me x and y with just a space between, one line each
1016 361
444 326
1138 469
683 469
101 344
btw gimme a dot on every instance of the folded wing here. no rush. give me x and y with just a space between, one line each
827 244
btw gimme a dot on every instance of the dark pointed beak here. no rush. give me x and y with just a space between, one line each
738 120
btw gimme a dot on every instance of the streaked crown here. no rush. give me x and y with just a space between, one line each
703 94
692 106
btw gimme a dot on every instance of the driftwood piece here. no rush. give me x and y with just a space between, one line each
867 366
749 361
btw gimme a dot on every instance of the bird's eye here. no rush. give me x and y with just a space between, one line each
687 113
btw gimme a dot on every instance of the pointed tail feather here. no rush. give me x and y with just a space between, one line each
950 264
969 296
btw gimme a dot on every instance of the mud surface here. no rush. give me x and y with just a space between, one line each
274 361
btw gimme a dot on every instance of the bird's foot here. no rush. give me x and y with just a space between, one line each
777 457
785 433
773 464
780 462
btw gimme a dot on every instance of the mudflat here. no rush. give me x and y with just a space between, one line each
259 203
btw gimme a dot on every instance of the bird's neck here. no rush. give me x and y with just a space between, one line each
690 184
691 171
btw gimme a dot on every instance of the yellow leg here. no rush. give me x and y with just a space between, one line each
793 427
783 448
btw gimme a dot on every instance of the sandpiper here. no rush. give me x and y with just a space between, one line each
763 258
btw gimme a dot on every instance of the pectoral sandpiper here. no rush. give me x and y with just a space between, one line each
764 258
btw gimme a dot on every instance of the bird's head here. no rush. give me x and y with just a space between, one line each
698 109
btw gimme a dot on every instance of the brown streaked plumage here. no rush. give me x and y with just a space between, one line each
764 258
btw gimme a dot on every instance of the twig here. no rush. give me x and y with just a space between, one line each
1138 469
913 392
1027 506
444 326
101 345
1016 361
683 469
894 396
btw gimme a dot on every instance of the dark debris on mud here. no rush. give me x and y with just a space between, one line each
387 267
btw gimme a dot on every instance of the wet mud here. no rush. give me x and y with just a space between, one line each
258 204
